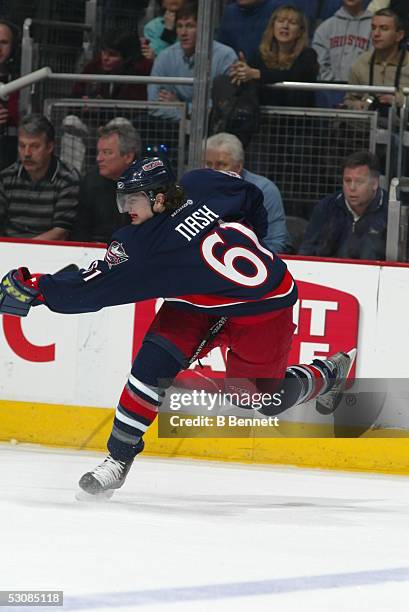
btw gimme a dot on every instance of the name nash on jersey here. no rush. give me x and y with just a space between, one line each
194 223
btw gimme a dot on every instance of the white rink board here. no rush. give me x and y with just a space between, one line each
93 352
393 321
362 282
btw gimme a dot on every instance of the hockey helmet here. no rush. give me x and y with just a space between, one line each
149 175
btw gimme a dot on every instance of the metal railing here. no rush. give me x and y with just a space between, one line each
397 230
61 45
300 149
398 216
46 74
76 139
154 131
386 134
403 156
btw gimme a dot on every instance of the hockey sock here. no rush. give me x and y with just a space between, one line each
153 370
301 384
313 379
136 410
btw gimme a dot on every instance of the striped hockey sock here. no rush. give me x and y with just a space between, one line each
314 379
137 409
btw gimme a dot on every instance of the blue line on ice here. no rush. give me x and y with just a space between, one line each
233 589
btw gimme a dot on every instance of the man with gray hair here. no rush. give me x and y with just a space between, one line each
225 152
118 145
39 192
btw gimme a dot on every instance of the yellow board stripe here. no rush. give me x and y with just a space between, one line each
84 427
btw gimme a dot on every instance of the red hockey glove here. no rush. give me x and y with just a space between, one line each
19 291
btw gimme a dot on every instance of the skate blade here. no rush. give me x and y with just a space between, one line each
351 354
104 496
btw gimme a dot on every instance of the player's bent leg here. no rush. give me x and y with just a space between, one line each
324 379
153 370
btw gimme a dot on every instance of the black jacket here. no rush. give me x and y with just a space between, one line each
305 69
98 214
332 231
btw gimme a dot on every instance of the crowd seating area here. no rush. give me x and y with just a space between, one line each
298 139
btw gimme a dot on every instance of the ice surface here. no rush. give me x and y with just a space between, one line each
191 536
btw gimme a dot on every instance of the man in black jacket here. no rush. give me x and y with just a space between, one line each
352 223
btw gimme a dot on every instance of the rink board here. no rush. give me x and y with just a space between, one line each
88 428
60 376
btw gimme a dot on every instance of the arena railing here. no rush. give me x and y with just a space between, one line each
300 149
154 130
398 216
289 147
62 45
77 121
403 157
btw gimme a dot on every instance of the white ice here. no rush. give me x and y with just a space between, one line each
189 536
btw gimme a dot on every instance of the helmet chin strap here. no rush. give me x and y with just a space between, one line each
152 199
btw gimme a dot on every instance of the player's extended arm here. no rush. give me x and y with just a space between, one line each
19 291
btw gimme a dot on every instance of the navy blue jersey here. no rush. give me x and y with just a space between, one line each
206 255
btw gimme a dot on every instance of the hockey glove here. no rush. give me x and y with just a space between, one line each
19 291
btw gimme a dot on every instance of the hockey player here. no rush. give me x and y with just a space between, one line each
198 245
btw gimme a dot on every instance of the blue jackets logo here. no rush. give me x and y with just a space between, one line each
115 254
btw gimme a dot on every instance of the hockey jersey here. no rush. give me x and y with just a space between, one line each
207 256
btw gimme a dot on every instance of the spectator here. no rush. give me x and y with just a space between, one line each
9 105
400 7
338 42
98 215
38 193
283 55
387 65
178 61
225 152
351 223
317 11
243 23
160 32
120 55
340 39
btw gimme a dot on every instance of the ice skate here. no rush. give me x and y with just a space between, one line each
105 478
340 364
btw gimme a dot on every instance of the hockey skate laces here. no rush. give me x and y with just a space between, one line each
109 471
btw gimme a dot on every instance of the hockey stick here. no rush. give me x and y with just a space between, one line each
70 268
213 331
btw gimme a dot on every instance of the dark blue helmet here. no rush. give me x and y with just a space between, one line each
146 174
150 175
